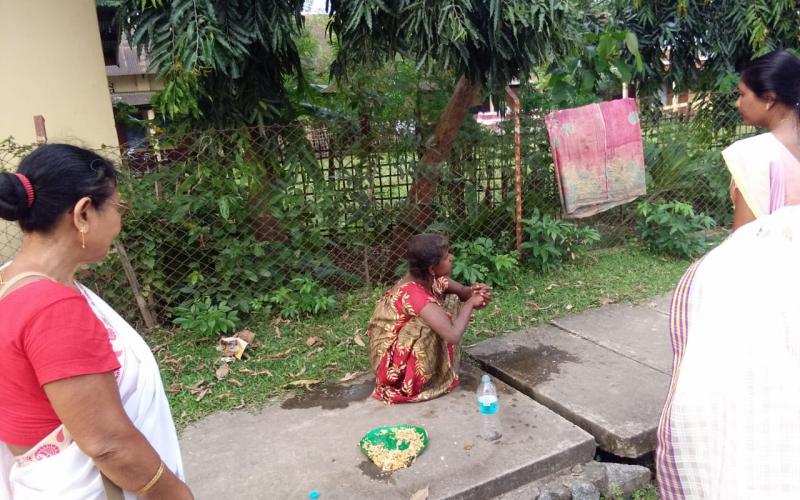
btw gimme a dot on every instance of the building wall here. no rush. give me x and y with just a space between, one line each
134 83
52 65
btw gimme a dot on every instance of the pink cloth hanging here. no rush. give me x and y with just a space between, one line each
598 156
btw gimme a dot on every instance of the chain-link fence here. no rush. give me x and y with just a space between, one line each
242 219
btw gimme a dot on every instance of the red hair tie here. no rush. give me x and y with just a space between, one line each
26 183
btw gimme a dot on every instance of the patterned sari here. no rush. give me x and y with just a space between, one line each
411 362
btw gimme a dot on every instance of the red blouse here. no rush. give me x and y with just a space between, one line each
48 333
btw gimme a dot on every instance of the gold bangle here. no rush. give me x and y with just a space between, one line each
147 487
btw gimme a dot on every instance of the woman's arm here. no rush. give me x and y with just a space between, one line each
741 211
90 407
464 293
451 331
461 291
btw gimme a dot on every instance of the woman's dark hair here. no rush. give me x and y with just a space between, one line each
777 72
60 175
424 251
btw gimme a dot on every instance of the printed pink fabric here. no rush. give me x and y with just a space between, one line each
598 156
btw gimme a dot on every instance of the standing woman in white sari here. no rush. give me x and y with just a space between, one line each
765 170
83 414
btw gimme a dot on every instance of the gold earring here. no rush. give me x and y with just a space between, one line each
83 230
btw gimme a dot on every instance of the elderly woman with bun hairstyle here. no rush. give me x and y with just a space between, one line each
413 331
83 414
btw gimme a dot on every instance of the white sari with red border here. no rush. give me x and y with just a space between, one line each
56 468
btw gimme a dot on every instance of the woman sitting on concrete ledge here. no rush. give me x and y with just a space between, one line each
414 329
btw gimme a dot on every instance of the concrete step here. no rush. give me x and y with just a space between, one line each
309 443
611 480
635 331
608 374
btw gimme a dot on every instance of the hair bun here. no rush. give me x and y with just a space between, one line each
13 197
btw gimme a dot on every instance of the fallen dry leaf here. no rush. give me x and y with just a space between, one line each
606 300
332 367
358 341
277 331
310 341
568 307
351 376
263 372
468 446
421 494
246 370
235 382
225 395
345 315
202 394
281 355
197 384
222 371
240 405
295 375
305 382
551 286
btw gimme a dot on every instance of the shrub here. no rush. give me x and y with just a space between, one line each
302 295
671 228
480 261
549 241
205 318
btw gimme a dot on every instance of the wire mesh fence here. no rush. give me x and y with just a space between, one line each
244 221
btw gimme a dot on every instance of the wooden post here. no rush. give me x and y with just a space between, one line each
149 321
515 109
41 131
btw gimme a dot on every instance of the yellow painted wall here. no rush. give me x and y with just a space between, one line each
51 64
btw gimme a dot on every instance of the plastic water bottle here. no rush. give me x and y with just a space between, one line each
488 405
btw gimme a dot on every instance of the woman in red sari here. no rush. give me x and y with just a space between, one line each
412 334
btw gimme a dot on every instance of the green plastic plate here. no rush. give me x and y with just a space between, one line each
386 437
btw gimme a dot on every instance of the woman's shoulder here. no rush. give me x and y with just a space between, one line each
411 298
38 295
752 144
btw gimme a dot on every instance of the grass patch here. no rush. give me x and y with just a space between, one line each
293 355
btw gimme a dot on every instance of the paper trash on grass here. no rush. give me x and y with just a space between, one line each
232 348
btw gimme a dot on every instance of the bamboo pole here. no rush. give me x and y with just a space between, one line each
149 320
515 107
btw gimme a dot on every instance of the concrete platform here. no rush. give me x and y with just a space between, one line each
310 443
615 397
660 303
639 333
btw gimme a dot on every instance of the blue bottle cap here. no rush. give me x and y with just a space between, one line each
313 495
486 379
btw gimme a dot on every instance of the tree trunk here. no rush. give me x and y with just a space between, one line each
265 226
418 211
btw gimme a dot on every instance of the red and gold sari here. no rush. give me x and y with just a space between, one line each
411 362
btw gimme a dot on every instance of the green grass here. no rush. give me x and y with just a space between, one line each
649 492
281 358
